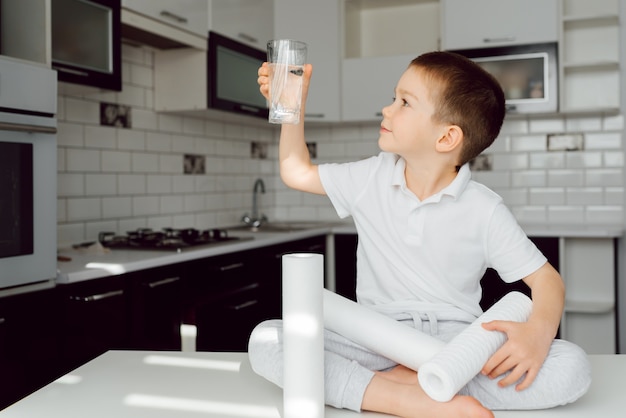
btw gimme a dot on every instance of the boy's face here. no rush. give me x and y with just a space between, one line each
408 128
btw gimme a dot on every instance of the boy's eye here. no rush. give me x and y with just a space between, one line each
404 103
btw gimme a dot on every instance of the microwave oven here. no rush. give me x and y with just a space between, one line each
528 74
232 77
28 172
86 42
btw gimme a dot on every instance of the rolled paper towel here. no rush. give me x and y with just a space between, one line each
379 333
466 354
303 336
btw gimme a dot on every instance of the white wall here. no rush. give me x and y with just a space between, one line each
119 179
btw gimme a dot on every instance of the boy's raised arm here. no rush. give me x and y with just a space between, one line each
296 169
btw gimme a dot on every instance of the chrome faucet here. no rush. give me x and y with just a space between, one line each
254 220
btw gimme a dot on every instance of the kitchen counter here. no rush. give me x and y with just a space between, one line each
87 264
90 264
138 384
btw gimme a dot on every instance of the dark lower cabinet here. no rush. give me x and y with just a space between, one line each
30 349
96 319
156 308
225 297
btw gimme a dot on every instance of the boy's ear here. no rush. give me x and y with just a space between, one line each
451 139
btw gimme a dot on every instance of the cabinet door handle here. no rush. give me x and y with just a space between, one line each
315 115
243 305
99 296
231 266
174 16
163 282
500 39
5 126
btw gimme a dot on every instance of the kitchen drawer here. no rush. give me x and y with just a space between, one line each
95 317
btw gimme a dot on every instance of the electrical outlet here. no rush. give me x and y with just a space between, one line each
566 142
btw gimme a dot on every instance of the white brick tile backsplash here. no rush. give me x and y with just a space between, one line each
514 126
529 143
583 159
70 184
159 183
144 119
530 214
547 160
602 215
566 178
145 162
145 205
131 184
515 161
70 135
133 177
158 142
608 140
547 125
577 196
82 160
100 184
116 207
547 196
613 123
100 137
529 178
604 177
583 124
82 111
171 204
614 159
131 140
171 164
614 196
568 215
83 209
141 75
115 161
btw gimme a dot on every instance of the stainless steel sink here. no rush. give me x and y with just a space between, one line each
278 226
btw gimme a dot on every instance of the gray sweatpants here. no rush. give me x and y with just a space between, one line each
564 377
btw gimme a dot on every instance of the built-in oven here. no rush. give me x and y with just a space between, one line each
28 160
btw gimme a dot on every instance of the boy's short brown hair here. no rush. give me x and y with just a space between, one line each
466 95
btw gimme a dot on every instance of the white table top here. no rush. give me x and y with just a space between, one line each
138 384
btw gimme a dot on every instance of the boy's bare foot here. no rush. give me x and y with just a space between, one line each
387 394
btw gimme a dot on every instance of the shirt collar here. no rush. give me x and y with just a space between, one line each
453 190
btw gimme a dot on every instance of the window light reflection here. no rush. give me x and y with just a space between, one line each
111 268
204 406
222 365
69 379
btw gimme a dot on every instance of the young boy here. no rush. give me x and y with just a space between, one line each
427 233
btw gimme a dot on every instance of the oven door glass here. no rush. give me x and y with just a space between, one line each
16 199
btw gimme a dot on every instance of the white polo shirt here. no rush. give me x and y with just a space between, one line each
426 256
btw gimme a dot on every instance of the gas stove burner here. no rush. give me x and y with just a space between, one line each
167 239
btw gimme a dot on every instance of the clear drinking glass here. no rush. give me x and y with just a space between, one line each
286 60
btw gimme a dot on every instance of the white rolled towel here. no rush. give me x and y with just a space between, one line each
379 333
466 354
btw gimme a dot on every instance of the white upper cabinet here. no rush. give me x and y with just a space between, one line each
317 24
190 15
248 21
468 24
380 40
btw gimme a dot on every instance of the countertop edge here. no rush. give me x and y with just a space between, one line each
88 266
